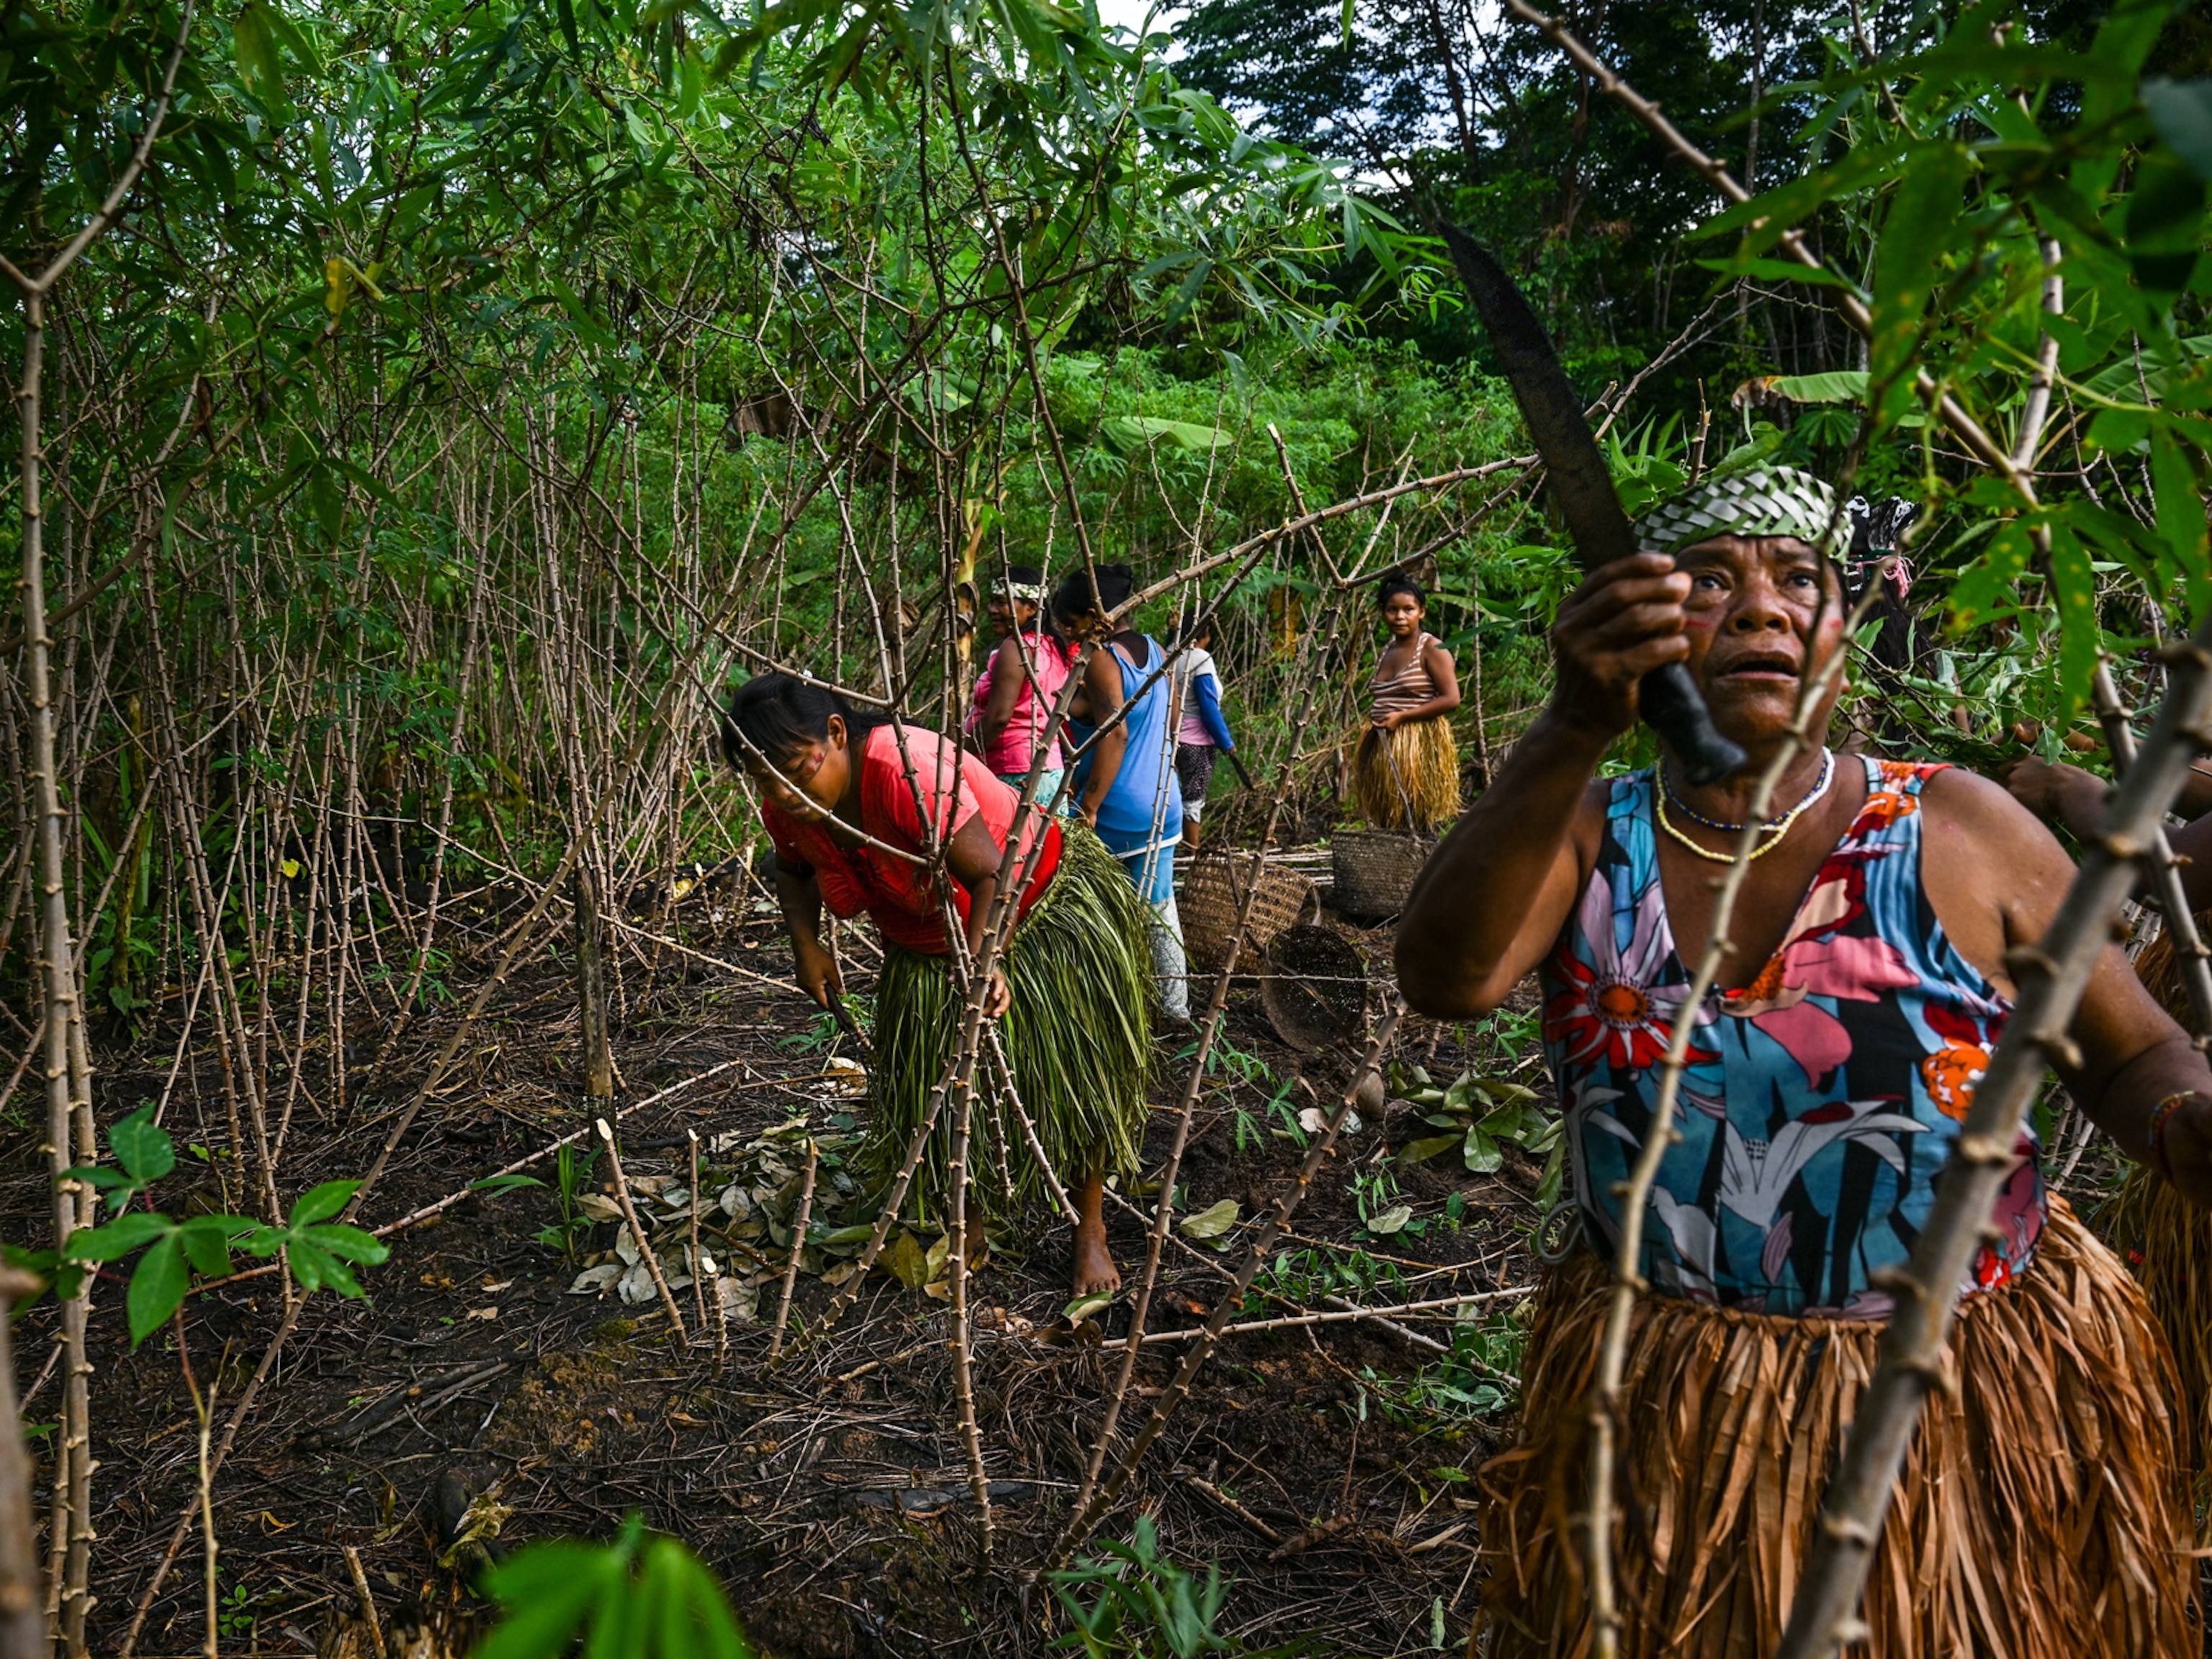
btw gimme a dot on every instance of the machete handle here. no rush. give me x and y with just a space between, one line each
1673 709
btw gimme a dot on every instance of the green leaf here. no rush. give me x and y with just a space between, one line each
1127 433
1840 386
1483 1154
547 1589
1084 1307
354 1243
2182 113
504 1183
903 1258
142 1147
157 1288
2075 585
1429 1146
2166 211
316 1269
1211 1221
206 1244
254 44
116 1238
1391 1221
1916 234
321 1203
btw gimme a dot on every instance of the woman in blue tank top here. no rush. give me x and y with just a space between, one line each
2044 1512
1123 776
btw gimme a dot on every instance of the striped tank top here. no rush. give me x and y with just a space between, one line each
1410 687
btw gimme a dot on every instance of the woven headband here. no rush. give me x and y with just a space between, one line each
1029 593
1762 501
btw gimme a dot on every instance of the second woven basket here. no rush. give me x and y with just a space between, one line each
1212 890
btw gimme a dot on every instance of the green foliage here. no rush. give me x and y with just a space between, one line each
1148 1606
639 1596
316 1251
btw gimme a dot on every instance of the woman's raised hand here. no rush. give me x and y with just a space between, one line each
1624 620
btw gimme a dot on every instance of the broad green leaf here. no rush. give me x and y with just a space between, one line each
1129 433
206 1244
157 1287
2180 507
502 1183
116 1238
1916 234
1841 385
1391 1221
2166 211
142 1147
316 1269
1482 1153
320 1203
904 1259
1086 1307
2182 113
353 1243
2075 590
1429 1146
1212 1222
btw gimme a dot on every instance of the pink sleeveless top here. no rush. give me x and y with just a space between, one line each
1047 671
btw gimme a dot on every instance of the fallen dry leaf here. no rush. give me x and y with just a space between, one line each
483 1313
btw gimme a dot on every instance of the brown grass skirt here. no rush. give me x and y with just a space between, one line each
2167 1240
1407 779
2042 1516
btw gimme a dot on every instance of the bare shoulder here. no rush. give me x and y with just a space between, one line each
1993 871
1965 811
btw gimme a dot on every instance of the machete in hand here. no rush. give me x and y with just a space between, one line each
1582 486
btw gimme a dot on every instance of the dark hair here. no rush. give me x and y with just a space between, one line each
1027 575
1400 583
1077 597
777 716
1197 624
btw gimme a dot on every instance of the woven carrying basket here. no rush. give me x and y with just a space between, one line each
1213 889
1372 872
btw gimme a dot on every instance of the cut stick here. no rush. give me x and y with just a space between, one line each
637 1234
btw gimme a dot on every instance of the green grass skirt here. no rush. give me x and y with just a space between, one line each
1078 1037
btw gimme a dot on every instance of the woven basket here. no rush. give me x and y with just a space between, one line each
1211 889
1372 872
1314 988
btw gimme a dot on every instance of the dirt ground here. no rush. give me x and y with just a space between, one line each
1325 1469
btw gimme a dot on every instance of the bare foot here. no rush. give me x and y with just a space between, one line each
1094 1272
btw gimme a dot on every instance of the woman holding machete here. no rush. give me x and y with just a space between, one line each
2043 1514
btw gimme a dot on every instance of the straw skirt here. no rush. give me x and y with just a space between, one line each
2041 1515
1077 1038
2167 1240
1407 779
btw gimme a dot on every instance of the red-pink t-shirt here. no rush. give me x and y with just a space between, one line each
900 895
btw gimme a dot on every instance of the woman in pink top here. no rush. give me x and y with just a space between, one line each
1020 684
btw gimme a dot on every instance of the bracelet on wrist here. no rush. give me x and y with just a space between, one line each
2159 1115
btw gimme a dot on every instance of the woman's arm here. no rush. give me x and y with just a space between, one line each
1494 895
1995 878
1008 672
798 896
2069 796
1443 674
1207 690
974 857
1102 688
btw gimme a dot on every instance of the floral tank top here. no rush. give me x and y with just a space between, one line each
1821 1101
